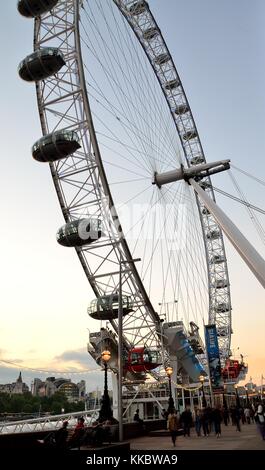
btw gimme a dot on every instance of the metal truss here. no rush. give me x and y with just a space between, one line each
80 180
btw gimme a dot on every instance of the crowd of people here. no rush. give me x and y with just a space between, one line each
210 420
64 438
205 421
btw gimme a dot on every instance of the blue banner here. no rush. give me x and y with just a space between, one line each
213 356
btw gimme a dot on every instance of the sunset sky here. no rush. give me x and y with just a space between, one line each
218 48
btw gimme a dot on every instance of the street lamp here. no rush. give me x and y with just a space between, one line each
120 344
202 379
171 406
105 412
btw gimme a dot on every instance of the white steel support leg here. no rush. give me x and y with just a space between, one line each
183 399
247 252
174 378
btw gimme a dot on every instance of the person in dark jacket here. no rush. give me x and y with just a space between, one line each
217 418
235 415
205 422
137 417
186 420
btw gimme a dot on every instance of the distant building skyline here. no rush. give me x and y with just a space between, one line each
51 385
16 388
47 388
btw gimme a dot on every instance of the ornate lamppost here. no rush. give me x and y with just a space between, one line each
105 412
171 406
204 403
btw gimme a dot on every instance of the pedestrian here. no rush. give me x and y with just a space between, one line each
172 425
209 412
56 439
137 417
74 438
260 421
217 417
198 423
164 415
247 414
235 416
204 422
242 416
61 436
226 416
186 420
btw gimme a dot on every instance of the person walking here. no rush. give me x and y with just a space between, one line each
260 421
186 420
198 423
247 414
217 417
237 418
242 416
204 422
225 416
172 425
164 415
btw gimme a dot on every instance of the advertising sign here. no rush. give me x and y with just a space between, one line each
213 357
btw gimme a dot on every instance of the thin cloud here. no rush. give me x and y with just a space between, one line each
79 357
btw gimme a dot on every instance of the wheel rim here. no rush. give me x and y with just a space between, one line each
74 111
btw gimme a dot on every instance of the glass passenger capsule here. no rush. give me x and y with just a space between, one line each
221 283
107 307
55 146
150 33
41 64
217 259
182 109
171 84
141 359
222 331
138 8
213 234
197 160
79 232
190 135
33 8
205 211
222 307
162 59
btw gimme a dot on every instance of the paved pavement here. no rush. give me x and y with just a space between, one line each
247 439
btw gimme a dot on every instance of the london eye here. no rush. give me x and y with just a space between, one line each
116 125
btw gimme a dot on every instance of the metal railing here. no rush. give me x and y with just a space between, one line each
48 423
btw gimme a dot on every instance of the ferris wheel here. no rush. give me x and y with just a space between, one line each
115 118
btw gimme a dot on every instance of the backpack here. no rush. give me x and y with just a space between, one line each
258 417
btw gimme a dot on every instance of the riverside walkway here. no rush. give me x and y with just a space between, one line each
247 439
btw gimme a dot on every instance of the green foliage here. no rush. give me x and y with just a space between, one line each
26 403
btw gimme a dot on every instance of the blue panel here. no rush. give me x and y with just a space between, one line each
213 355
